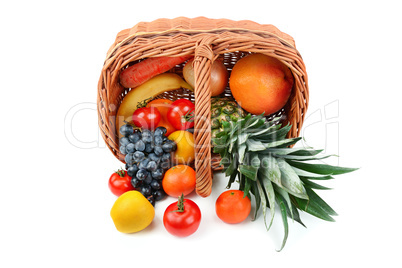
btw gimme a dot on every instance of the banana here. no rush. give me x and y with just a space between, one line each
150 89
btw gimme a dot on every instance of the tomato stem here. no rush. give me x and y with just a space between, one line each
143 103
121 173
189 116
180 204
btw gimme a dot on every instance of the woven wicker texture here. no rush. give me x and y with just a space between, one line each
205 39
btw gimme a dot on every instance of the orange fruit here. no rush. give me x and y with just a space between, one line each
232 207
261 84
163 106
179 180
185 153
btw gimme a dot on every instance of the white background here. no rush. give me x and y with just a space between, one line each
54 199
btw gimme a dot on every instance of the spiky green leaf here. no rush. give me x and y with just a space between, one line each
303 173
290 180
249 171
283 151
257 199
314 209
302 157
315 198
270 169
263 200
281 143
313 185
254 145
282 207
306 152
322 169
270 194
285 196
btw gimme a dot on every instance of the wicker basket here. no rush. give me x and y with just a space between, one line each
205 39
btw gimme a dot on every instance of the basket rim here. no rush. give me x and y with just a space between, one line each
176 30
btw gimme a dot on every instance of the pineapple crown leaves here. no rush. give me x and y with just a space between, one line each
256 152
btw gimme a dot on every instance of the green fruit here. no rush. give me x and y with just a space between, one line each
224 109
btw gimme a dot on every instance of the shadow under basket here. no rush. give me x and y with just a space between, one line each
206 40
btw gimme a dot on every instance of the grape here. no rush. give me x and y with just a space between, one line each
165 157
135 182
132 170
140 146
169 146
158 194
148 179
126 130
123 149
147 156
143 164
124 141
129 159
158 140
165 164
135 137
160 131
146 190
155 184
158 150
152 166
138 156
149 147
130 148
147 136
157 174
154 157
142 174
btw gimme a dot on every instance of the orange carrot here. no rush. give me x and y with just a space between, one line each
141 72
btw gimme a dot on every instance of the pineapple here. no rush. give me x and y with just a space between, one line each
223 109
255 151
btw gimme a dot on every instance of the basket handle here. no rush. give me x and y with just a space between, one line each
203 60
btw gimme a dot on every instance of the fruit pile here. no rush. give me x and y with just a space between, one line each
155 137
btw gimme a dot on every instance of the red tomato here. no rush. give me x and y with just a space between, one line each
163 106
146 117
182 218
232 207
181 114
120 182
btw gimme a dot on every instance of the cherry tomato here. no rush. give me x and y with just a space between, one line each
146 117
181 114
182 218
232 207
163 106
120 182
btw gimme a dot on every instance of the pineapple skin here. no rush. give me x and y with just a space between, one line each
223 109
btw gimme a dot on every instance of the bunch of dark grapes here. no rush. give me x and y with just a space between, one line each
147 156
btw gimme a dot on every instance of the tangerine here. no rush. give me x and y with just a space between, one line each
179 180
232 206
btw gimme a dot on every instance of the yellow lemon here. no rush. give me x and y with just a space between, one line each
184 153
132 212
